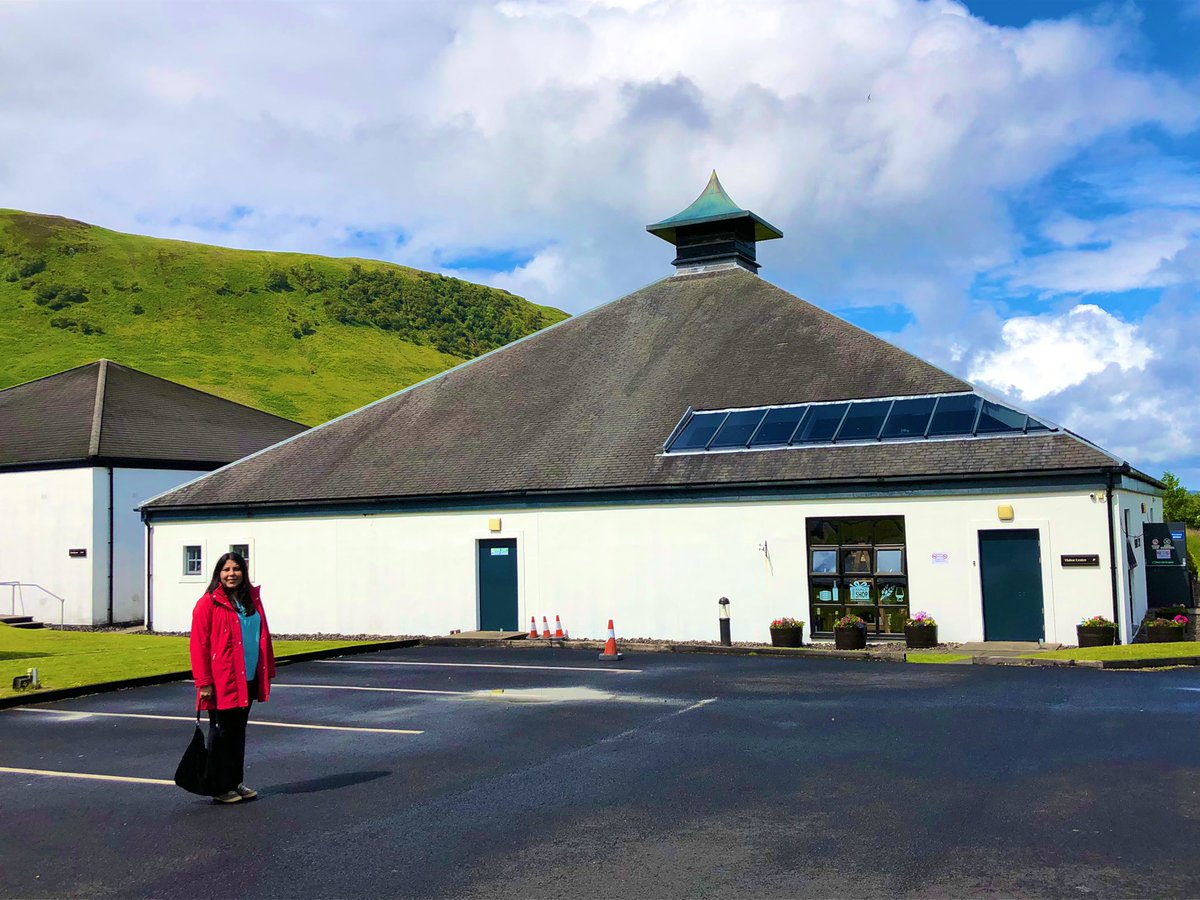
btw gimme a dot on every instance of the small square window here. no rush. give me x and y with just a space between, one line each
889 562
193 561
824 562
243 550
856 561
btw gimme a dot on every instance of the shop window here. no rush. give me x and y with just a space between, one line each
858 565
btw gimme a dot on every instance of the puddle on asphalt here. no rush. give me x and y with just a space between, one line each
545 695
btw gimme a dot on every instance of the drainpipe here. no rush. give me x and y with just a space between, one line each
110 545
149 575
1112 556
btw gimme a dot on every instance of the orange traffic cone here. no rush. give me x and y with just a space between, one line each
558 632
545 628
610 653
533 628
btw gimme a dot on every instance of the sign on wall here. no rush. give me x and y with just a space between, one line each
1080 560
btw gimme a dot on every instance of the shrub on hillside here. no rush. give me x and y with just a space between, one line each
278 281
58 297
27 268
456 317
80 325
309 279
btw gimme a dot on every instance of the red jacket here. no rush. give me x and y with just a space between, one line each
217 655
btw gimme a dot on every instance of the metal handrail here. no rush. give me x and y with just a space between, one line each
15 587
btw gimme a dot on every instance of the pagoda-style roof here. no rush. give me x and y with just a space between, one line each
713 205
587 405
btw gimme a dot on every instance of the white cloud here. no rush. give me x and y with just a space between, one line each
885 137
1042 355
470 124
1117 253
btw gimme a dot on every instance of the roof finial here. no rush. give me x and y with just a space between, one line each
714 232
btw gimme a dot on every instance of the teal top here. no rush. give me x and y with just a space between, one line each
713 205
251 625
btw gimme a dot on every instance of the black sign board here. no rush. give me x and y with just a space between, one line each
1162 547
75 554
1166 564
1080 560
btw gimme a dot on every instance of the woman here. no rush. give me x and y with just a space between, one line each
233 663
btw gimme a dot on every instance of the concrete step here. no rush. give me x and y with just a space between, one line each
16 620
1001 647
28 625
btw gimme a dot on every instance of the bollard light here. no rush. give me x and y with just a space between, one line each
723 606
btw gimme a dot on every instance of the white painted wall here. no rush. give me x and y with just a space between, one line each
43 514
658 571
130 488
1133 509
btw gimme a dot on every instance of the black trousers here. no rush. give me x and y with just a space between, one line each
227 744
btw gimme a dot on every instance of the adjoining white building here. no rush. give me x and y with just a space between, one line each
79 451
708 435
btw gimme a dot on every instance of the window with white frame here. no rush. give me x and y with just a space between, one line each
193 560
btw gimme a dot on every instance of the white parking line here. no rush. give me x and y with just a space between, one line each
85 775
377 662
84 713
386 690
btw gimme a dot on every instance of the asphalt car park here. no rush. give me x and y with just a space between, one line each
480 772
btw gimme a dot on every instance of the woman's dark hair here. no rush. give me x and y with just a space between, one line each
241 595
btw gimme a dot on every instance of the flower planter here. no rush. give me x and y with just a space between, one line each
850 638
787 637
918 637
1095 635
1164 634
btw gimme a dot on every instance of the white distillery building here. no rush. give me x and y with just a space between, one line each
708 435
79 451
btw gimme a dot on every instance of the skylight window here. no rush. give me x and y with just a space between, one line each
778 426
943 417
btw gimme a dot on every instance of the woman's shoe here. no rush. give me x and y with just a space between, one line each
228 797
246 793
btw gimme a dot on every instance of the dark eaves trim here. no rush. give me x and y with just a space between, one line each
773 490
83 462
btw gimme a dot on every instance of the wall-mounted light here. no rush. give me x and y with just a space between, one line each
493 525
1004 512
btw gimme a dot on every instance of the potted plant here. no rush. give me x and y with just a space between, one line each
1162 631
920 631
1096 631
787 632
850 633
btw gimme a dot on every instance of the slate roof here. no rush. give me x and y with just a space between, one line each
588 403
104 412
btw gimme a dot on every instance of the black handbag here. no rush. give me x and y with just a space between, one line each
192 773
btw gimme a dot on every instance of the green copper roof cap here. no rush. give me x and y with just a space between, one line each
713 205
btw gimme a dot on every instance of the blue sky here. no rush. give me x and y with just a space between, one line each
1008 188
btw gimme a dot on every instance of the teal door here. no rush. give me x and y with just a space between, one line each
1010 569
498 585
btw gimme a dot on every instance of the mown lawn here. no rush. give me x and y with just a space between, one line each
1125 651
935 657
73 658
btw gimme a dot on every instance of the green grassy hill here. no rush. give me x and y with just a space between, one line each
306 337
